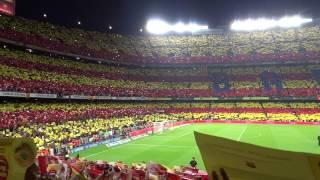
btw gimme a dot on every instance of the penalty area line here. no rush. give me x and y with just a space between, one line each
243 131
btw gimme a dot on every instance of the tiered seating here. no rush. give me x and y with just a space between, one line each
251 112
306 111
45 121
71 131
68 125
280 45
31 73
224 111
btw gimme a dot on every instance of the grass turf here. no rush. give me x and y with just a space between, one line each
176 147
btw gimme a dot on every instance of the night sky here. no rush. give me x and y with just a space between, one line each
128 16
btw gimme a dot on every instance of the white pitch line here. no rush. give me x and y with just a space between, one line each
103 151
149 145
161 145
145 145
244 130
96 153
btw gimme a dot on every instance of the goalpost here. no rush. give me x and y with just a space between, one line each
160 127
161 123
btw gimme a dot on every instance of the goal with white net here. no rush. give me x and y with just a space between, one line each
160 127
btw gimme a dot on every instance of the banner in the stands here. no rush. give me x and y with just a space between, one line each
158 99
229 159
271 80
91 145
27 95
255 98
81 97
221 83
44 96
183 98
12 94
103 97
206 98
17 158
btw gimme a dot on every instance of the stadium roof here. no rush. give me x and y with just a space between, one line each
128 17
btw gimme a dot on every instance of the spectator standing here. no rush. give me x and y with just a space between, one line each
193 162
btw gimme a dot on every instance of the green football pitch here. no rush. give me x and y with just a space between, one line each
178 146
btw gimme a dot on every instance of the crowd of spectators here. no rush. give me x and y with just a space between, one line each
58 127
279 45
74 124
76 168
32 73
60 138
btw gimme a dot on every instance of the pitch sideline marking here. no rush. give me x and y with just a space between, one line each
103 151
154 145
161 145
243 131
138 144
96 153
132 144
141 144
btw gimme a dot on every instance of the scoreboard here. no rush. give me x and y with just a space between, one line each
8 7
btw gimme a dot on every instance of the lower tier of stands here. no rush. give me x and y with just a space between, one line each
57 124
59 128
51 166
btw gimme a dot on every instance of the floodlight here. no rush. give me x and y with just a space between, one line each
157 26
264 24
294 21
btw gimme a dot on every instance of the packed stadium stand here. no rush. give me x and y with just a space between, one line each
44 61
295 45
45 121
30 73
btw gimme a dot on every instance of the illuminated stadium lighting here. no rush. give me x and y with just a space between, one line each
79 22
264 24
157 26
45 15
110 27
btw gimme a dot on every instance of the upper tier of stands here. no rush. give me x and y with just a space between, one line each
265 46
